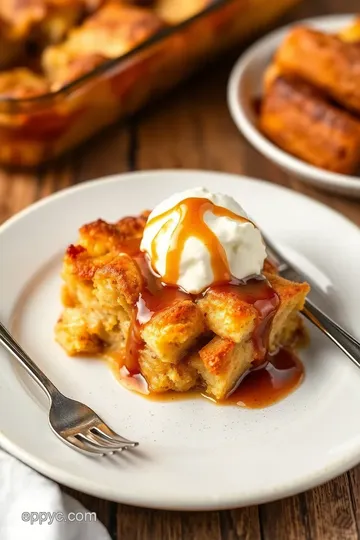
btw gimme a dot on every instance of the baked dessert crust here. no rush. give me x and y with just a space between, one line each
113 30
206 341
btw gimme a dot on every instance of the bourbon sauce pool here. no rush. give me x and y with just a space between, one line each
272 377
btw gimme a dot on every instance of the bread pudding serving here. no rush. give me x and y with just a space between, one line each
183 297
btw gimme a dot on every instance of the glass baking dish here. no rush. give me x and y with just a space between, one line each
34 130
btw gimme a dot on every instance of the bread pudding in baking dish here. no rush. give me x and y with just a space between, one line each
165 294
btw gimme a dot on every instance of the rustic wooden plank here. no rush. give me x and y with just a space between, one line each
141 524
56 177
191 128
330 512
200 526
17 190
5 203
240 524
284 520
107 153
324 513
354 480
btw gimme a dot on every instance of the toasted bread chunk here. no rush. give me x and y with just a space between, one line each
230 317
230 354
221 363
173 331
323 60
41 21
163 376
79 332
118 283
112 31
301 120
60 17
22 83
19 18
49 20
176 12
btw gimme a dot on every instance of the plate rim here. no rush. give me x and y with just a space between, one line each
123 176
305 172
339 464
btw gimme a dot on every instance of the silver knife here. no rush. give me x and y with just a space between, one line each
345 341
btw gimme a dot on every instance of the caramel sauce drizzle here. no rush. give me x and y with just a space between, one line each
258 293
154 297
271 377
279 375
192 223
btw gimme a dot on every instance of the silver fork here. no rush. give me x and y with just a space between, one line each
73 422
345 341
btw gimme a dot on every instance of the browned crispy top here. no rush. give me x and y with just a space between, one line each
213 328
22 83
110 32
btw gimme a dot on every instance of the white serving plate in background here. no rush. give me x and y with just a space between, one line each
245 85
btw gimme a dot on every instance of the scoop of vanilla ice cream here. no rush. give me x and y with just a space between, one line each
242 242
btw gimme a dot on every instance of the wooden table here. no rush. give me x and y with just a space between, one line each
191 128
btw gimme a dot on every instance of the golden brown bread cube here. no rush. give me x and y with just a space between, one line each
164 376
176 12
232 351
21 83
60 17
47 20
40 21
323 60
302 121
221 363
111 32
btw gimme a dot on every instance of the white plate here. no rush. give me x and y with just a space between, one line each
192 454
245 84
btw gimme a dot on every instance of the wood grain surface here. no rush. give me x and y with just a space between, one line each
192 128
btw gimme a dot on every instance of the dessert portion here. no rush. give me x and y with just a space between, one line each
182 298
311 101
61 40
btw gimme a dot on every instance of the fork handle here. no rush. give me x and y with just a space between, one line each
347 343
34 371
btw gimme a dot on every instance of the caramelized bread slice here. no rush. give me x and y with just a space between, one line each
324 60
301 120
